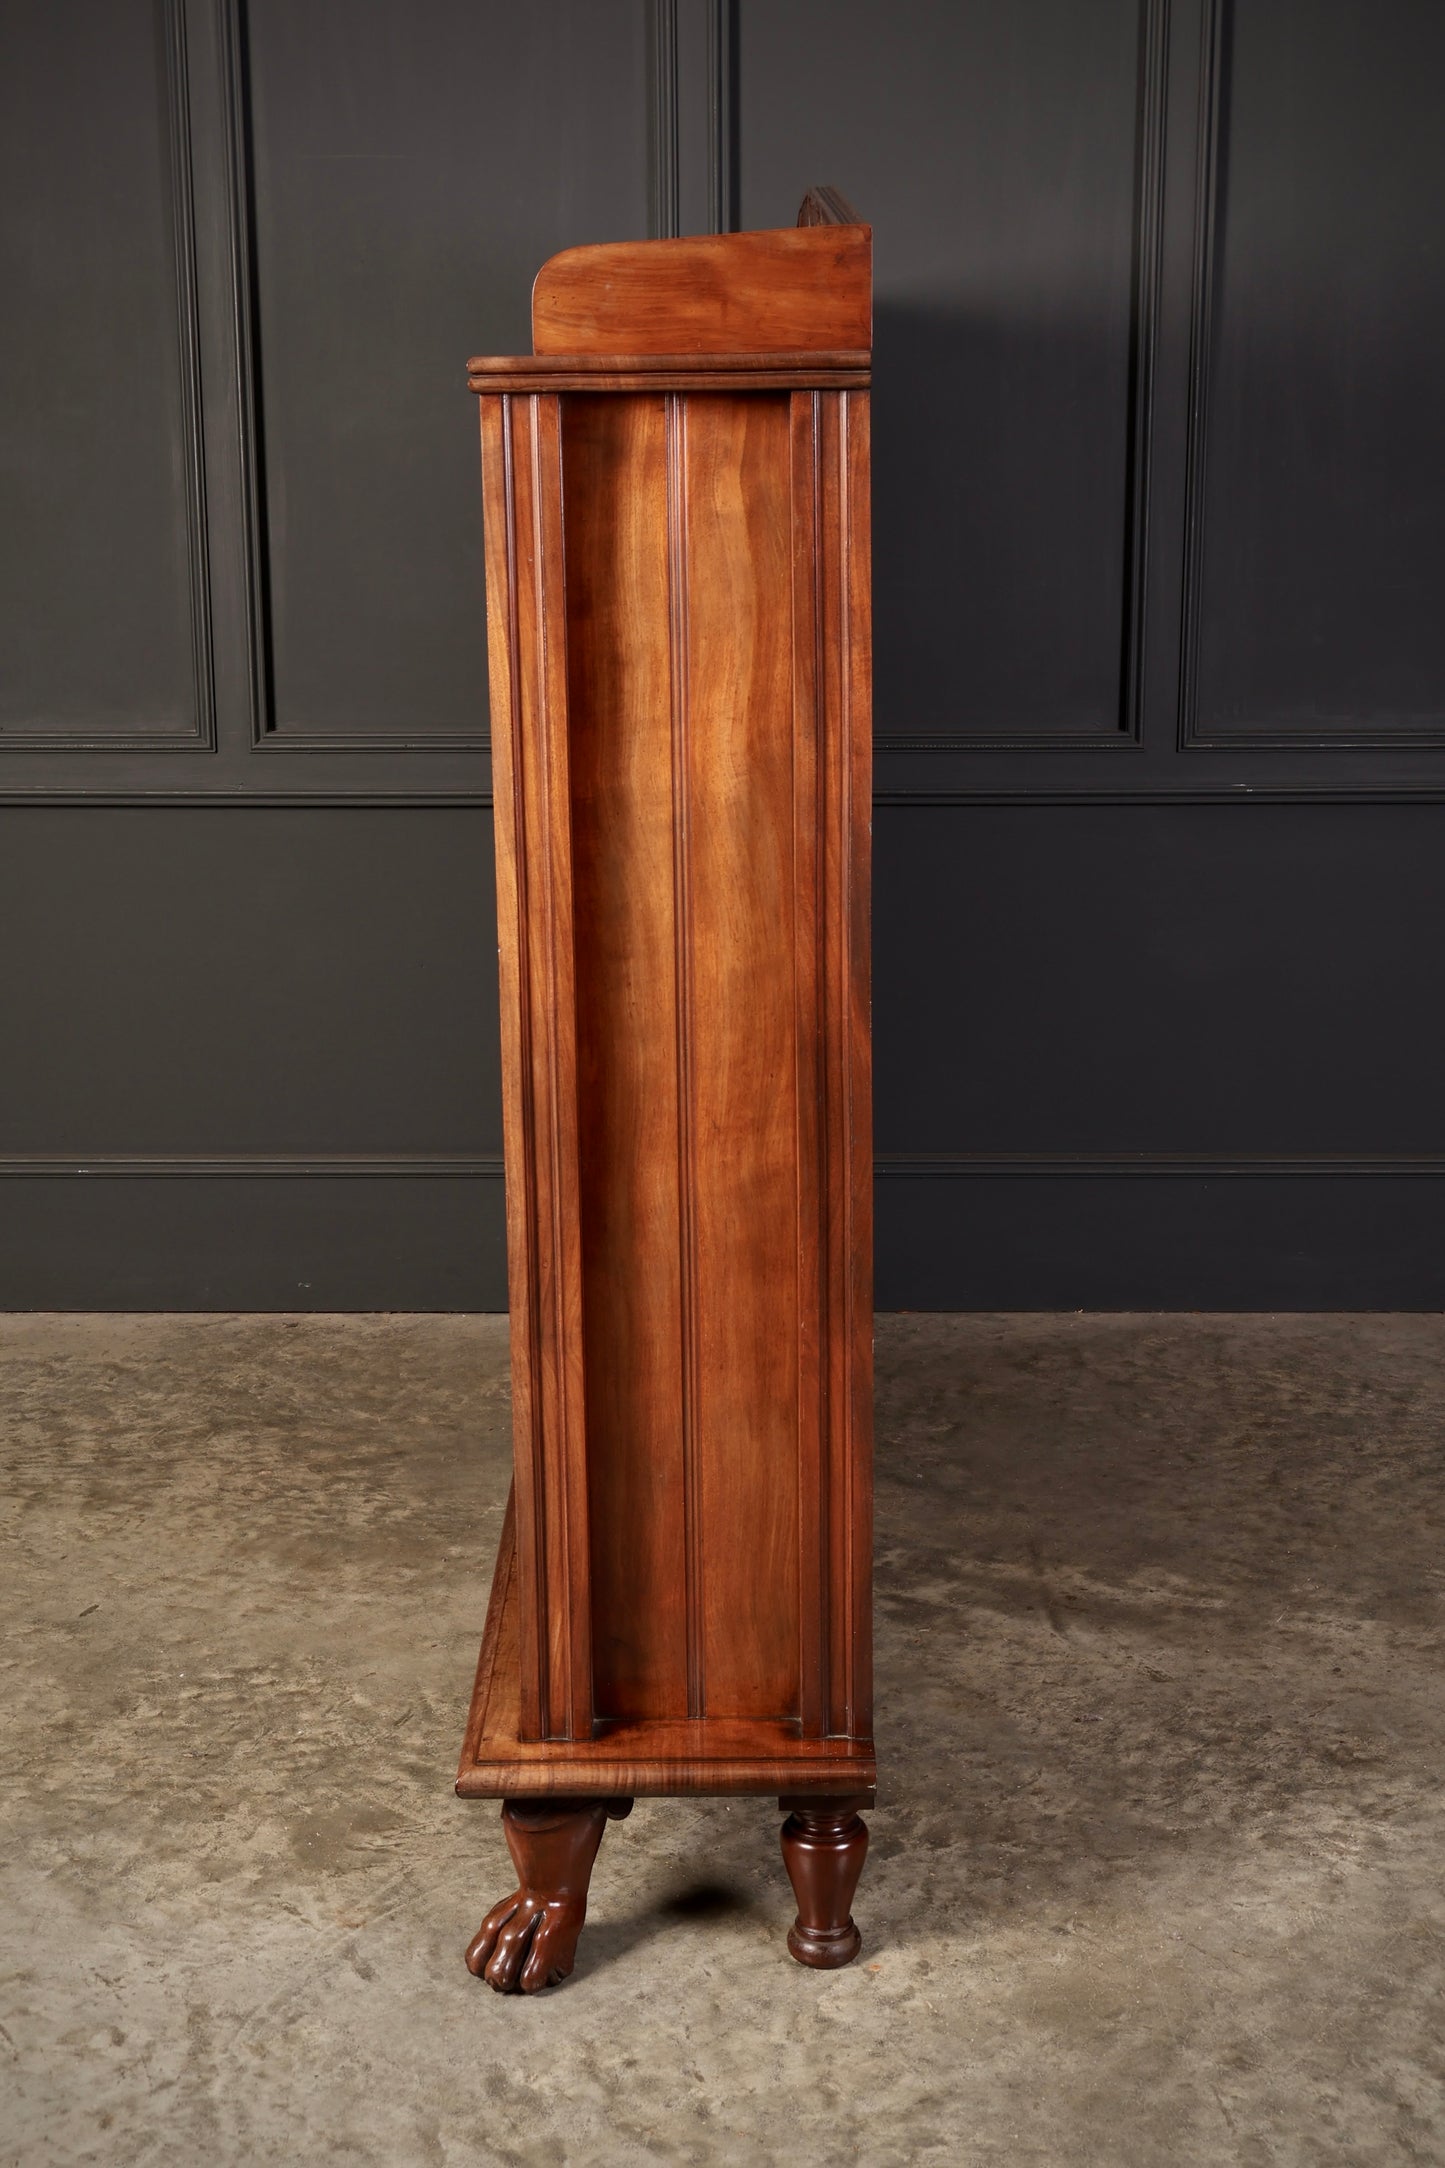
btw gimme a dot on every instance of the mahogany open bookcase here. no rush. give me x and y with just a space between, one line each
676 509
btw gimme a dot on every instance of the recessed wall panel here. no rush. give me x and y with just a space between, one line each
1319 551
998 153
102 595
407 170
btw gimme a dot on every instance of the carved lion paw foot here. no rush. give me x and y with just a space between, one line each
527 1942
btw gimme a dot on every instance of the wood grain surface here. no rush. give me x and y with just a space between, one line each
636 1758
678 601
724 293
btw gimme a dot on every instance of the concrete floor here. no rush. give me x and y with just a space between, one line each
1157 1879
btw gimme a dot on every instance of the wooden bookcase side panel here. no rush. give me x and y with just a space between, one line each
682 787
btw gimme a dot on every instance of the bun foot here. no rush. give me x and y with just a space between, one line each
824 1847
824 1948
529 1940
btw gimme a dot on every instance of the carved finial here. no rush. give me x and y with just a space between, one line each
827 207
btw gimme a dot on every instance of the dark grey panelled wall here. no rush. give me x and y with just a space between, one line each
1160 539
1159 550
249 988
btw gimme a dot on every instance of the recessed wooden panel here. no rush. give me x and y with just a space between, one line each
737 818
681 762
620 706
103 602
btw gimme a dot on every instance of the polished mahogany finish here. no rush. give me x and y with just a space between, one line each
718 293
676 502
824 1847
846 370
529 1940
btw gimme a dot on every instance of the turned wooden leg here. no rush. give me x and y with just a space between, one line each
529 1940
824 1846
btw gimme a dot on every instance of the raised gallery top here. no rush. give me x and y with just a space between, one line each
802 289
740 311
